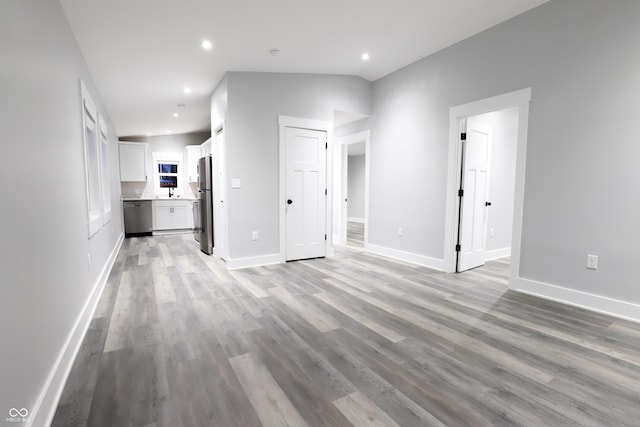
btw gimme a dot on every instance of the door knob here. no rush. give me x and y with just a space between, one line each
487 203
289 201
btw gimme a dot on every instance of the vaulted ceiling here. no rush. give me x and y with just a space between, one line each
143 53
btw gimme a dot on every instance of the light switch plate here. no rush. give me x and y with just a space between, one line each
592 262
235 183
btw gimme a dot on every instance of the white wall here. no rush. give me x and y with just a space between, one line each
46 278
255 100
502 178
581 59
355 187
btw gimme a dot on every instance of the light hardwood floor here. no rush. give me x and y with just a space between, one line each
177 340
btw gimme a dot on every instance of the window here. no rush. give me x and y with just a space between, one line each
92 162
104 165
167 174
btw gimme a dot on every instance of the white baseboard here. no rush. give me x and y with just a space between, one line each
353 219
257 261
612 307
497 254
45 407
175 231
425 261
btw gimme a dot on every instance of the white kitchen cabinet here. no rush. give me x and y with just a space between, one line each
194 152
133 161
172 215
206 148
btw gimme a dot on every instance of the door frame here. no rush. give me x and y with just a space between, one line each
457 116
219 153
320 125
344 142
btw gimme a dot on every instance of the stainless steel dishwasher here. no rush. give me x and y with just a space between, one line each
138 218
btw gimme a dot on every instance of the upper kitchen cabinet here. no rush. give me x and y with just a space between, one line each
194 152
133 161
206 148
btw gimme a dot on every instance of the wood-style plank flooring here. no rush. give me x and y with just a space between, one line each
355 234
357 339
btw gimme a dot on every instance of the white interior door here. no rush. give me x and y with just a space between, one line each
220 235
475 200
305 193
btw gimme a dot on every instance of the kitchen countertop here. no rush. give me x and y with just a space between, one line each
135 199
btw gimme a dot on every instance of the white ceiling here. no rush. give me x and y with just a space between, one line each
142 53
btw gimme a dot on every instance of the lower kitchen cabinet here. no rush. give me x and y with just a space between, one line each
172 215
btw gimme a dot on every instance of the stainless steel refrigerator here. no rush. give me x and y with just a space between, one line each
205 202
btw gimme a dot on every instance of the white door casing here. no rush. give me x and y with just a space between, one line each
220 226
474 203
305 193
519 98
344 143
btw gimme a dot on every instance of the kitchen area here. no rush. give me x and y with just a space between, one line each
160 187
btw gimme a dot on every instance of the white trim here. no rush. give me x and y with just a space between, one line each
256 261
412 258
103 157
609 306
220 231
343 142
90 121
172 231
296 122
358 220
520 99
497 254
47 403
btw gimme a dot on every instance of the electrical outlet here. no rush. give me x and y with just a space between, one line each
89 260
492 232
592 262
400 232
254 236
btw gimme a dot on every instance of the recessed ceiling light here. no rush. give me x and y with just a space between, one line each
206 44
168 130
176 114
365 56
187 90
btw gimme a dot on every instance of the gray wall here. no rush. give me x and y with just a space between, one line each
46 279
503 176
355 187
582 60
255 100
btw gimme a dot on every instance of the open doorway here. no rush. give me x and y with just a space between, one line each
470 222
353 193
487 187
356 219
